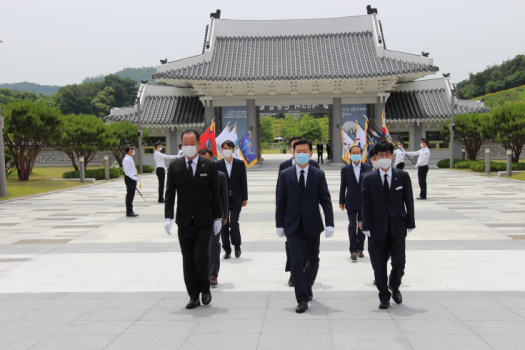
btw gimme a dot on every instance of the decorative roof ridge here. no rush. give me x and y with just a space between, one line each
365 32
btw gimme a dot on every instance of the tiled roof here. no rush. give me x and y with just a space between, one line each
424 104
326 56
166 110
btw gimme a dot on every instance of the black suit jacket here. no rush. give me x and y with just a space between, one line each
237 182
359 211
223 189
292 207
198 199
380 212
349 190
288 163
320 148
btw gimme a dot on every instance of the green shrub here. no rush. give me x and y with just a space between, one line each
120 171
145 168
98 174
464 164
495 166
445 163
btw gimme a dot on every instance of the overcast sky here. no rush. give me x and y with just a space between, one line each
59 42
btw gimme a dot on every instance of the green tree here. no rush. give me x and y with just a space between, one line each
11 95
102 103
506 125
83 136
124 133
289 127
310 128
325 127
267 129
468 133
29 126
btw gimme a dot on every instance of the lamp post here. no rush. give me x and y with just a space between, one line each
452 126
3 179
139 128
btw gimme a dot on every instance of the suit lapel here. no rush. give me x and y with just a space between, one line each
309 179
380 184
295 182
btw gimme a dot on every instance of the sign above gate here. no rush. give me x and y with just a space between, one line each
276 109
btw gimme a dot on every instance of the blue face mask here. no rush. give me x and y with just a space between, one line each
355 157
302 158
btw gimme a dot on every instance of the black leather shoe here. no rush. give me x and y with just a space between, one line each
310 294
237 251
374 282
301 307
161 201
384 305
227 255
193 303
420 198
396 295
206 298
132 215
290 281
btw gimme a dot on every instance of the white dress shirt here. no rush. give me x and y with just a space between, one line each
357 170
424 156
400 156
228 166
193 163
298 171
129 167
159 159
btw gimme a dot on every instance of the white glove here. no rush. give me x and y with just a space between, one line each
410 230
217 227
367 233
280 232
167 226
329 231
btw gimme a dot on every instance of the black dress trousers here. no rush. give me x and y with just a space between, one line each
131 185
422 178
161 175
401 166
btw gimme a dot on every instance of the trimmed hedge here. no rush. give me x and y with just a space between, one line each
465 164
145 168
98 174
445 163
479 165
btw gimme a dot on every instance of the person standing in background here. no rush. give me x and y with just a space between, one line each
161 167
130 179
399 154
320 149
422 166
328 150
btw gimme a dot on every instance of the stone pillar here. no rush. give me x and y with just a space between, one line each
209 111
82 172
509 162
417 137
337 124
252 126
487 160
258 123
106 167
379 107
330 123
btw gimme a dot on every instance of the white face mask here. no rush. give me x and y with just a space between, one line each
160 149
421 145
375 164
385 162
133 153
189 151
227 153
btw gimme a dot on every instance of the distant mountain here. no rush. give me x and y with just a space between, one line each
32 87
136 74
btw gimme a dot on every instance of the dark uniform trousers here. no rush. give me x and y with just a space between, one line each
194 244
303 276
382 251
131 185
161 175
231 231
422 178
401 166
355 235
320 156
215 253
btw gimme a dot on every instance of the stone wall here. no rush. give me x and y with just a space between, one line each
496 151
50 157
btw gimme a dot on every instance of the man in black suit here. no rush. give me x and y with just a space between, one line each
195 180
388 212
215 240
320 150
301 189
328 150
285 165
235 169
348 198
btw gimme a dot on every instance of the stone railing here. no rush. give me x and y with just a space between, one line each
496 151
51 157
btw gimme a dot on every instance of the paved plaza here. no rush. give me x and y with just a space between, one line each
75 273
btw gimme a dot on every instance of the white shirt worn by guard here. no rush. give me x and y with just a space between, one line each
400 156
389 179
298 171
193 163
357 170
129 168
228 166
424 156
159 159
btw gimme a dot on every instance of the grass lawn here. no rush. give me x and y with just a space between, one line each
40 182
467 170
516 176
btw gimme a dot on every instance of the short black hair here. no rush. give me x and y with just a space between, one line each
228 143
354 146
293 139
384 146
129 147
205 150
402 143
372 152
303 142
190 131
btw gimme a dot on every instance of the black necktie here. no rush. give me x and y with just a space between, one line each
301 182
190 170
386 187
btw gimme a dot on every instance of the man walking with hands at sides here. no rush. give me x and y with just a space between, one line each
161 167
328 150
130 179
285 165
422 166
235 170
399 154
388 213
301 189
195 180
348 199
320 149
215 241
